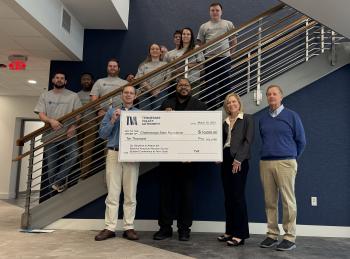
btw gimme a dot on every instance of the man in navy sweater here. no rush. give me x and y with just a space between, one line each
283 141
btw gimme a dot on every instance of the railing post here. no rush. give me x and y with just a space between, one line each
248 73
333 49
322 39
186 68
25 221
306 41
257 93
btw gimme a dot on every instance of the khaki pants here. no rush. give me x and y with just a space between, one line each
278 176
120 175
87 136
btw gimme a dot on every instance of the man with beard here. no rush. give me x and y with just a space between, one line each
108 84
62 150
177 177
88 127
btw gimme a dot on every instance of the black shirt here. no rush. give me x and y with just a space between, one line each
191 104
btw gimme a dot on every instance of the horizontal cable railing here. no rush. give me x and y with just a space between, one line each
267 46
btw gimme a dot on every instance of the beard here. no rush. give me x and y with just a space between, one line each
87 88
183 97
59 86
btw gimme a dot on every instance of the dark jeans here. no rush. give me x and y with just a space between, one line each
176 179
234 191
61 157
220 85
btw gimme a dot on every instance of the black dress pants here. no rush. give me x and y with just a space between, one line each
234 191
176 184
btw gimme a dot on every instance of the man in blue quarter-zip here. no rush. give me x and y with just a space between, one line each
119 175
283 141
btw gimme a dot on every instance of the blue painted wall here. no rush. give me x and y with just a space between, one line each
324 169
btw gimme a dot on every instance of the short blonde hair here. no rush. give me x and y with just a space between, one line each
238 100
274 86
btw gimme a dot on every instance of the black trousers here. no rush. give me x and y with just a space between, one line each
215 81
234 191
176 186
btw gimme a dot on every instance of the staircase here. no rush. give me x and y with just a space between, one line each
275 46
334 14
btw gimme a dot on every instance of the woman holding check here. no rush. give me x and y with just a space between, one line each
238 134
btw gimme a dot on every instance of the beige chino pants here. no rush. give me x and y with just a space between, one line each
278 176
120 175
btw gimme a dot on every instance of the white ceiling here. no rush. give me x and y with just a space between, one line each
95 14
20 36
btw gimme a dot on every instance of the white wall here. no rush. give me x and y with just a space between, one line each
122 7
12 109
48 14
28 127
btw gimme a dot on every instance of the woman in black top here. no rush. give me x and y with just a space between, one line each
238 134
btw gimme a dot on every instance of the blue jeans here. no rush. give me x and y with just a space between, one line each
61 157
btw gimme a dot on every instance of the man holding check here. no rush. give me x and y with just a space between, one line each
177 177
119 174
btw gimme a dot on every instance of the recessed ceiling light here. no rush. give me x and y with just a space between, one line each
33 82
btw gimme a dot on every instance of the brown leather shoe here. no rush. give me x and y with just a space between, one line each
130 234
104 234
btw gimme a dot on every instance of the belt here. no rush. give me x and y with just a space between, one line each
114 148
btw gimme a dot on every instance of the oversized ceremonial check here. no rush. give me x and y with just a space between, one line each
170 136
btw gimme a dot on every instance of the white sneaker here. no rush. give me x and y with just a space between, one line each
55 187
58 188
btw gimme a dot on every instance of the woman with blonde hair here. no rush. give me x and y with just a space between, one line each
154 98
238 134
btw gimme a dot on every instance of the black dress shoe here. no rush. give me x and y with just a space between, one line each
224 238
104 234
184 235
163 234
234 242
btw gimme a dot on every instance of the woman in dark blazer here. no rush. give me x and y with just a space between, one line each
238 134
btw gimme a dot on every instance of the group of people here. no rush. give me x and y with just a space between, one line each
281 131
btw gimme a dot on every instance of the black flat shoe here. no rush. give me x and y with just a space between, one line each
224 238
234 242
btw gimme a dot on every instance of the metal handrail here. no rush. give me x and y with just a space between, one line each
21 141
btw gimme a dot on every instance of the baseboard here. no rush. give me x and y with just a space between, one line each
7 196
200 226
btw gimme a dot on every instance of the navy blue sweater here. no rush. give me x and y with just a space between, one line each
283 136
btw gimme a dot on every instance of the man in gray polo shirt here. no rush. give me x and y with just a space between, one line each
108 84
218 67
61 152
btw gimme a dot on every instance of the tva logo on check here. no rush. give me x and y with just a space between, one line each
131 120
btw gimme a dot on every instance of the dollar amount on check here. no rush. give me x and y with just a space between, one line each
170 136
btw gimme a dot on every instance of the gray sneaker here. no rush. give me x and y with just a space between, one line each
285 245
268 242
